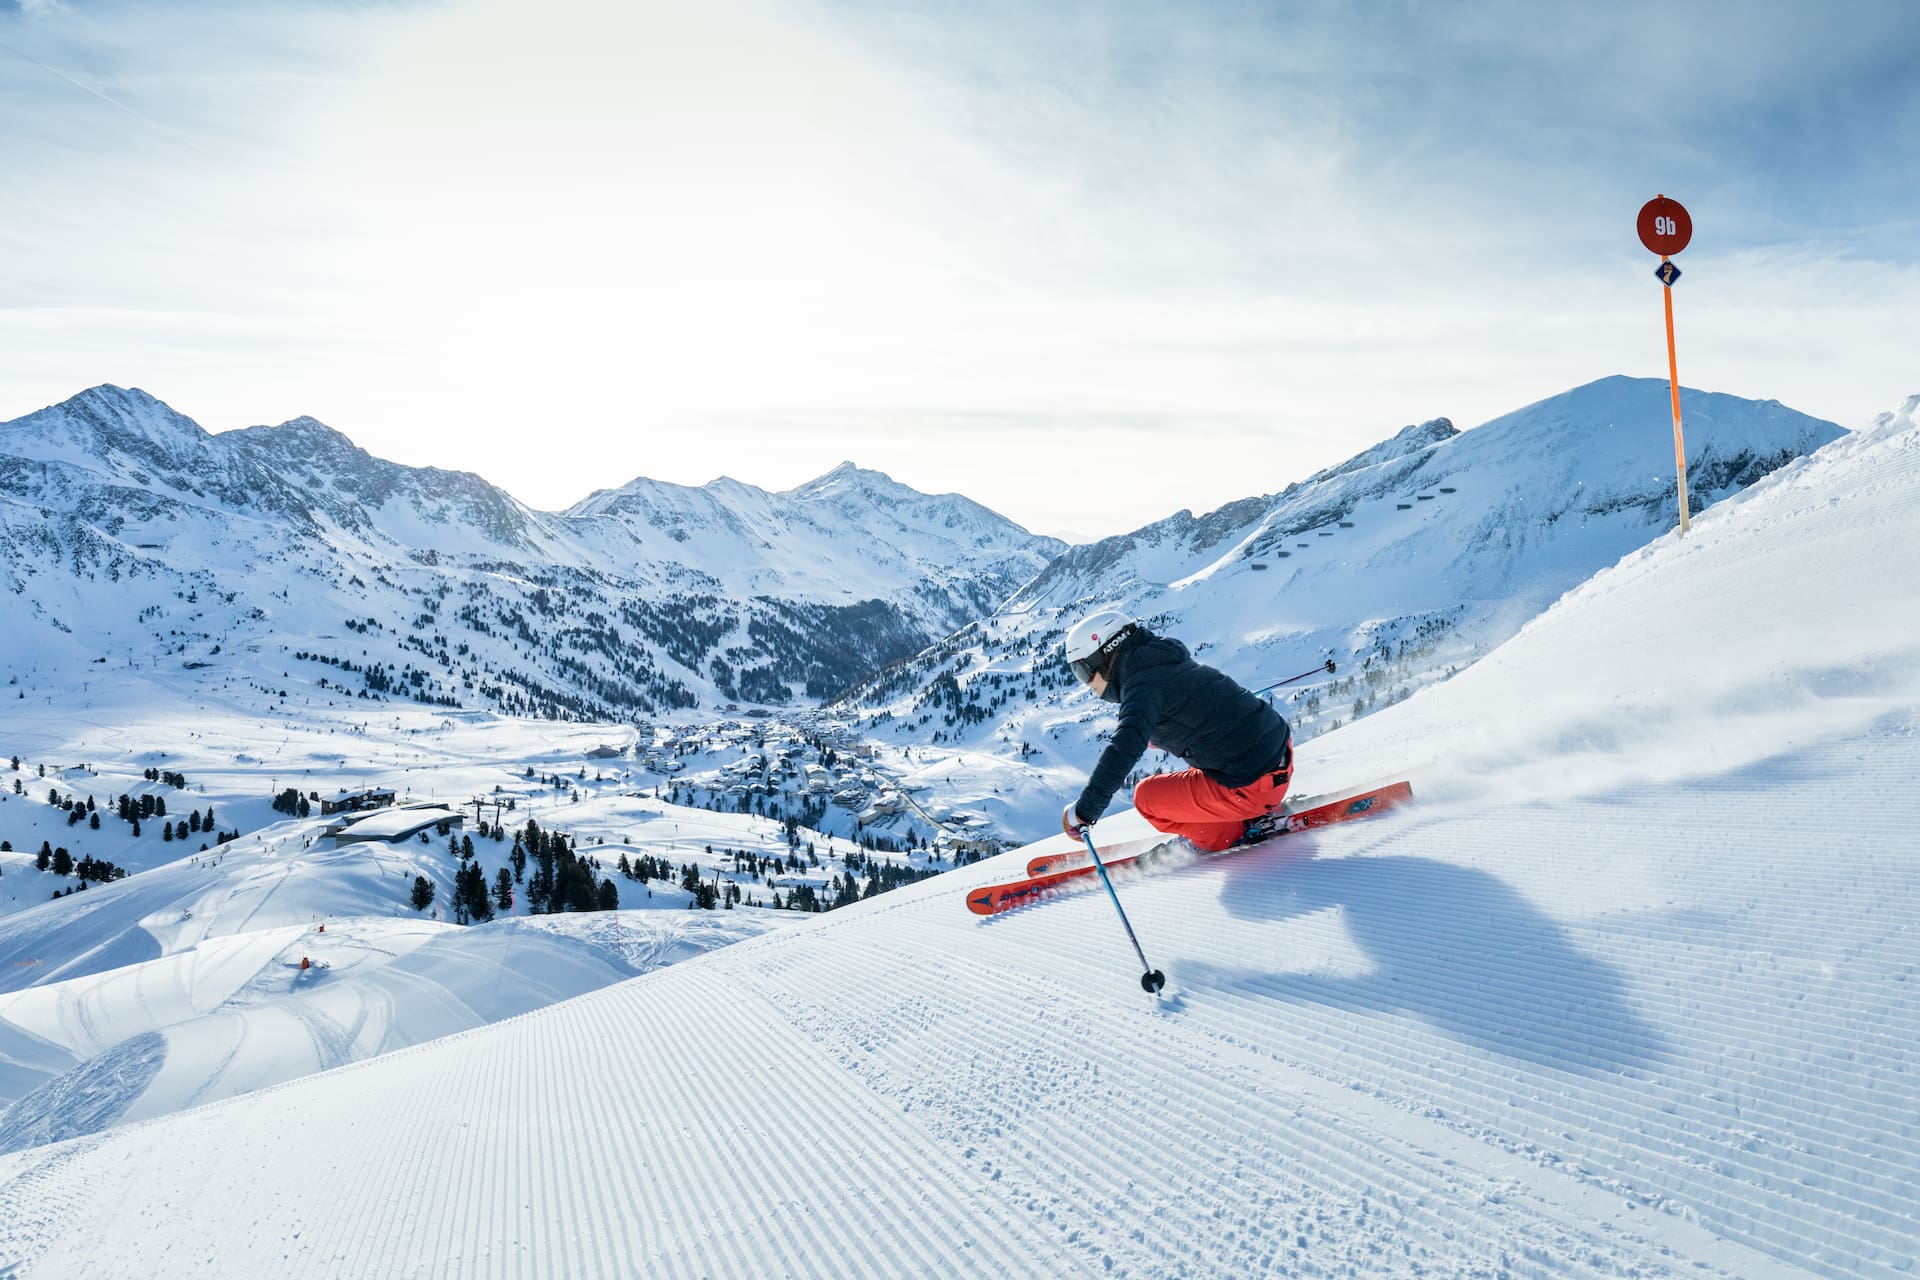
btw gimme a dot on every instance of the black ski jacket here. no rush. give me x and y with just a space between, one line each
1199 714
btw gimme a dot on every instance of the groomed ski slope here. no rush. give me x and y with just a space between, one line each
239 1013
1633 990
184 984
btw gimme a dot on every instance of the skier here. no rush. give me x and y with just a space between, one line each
1240 748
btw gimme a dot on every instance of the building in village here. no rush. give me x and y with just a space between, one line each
345 801
396 825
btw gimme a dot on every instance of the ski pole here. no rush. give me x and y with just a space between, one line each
1326 666
1152 980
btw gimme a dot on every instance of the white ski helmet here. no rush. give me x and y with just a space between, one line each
1092 642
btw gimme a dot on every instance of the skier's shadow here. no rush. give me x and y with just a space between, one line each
1451 945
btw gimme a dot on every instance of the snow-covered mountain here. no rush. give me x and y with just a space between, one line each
1404 563
414 508
1629 990
129 533
848 535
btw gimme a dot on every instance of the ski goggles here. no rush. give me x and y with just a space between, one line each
1103 657
1096 663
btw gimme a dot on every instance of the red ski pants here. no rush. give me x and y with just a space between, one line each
1193 805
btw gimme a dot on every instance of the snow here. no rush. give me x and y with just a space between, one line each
227 1019
183 983
390 824
298 560
1630 990
1405 563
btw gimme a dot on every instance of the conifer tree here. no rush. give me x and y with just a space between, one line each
470 893
423 890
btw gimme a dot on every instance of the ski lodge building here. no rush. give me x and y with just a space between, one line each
395 825
345 801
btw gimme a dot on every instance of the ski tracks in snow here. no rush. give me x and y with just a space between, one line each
1543 1041
1170 1150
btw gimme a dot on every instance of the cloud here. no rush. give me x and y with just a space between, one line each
150 165
1260 143
570 243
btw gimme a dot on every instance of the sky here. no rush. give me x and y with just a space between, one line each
1086 263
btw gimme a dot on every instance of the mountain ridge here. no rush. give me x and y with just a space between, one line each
1403 563
724 593
655 596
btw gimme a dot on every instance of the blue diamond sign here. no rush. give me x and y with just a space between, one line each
1667 272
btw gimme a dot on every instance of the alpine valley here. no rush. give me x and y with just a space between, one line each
288 568
397 880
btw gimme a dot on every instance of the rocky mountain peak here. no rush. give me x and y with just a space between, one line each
303 440
106 420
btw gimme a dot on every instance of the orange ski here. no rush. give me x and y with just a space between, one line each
1049 872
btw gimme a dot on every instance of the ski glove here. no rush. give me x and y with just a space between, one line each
1071 824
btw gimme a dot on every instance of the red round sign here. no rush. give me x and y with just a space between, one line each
1664 226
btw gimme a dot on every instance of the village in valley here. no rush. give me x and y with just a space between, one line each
832 799
753 810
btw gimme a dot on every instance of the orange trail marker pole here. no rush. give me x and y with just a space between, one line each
1673 382
1665 227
